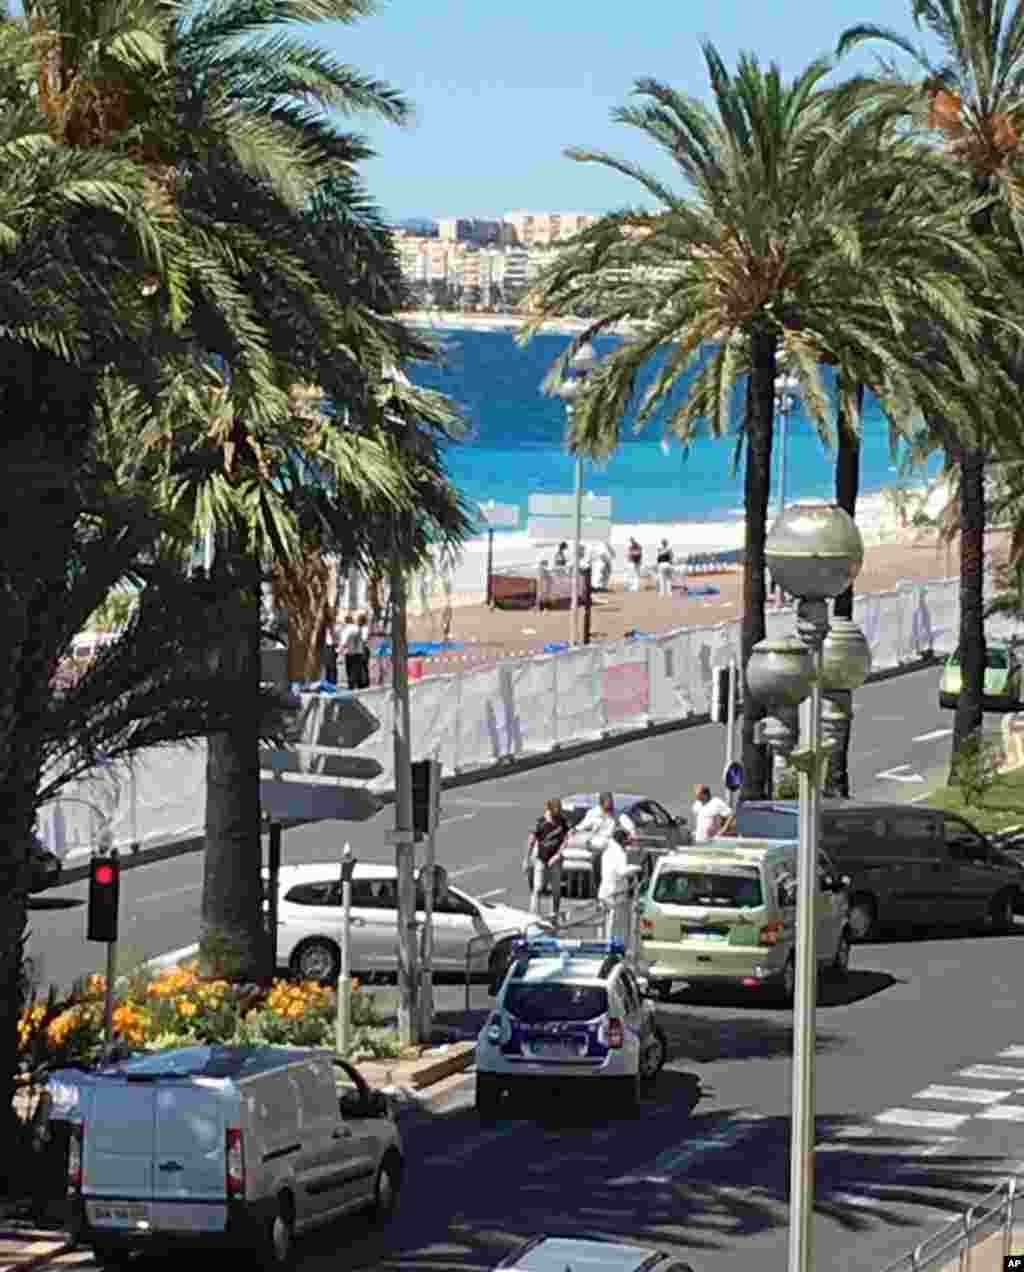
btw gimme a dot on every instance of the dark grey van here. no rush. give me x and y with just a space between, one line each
907 864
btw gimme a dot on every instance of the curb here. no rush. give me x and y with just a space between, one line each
509 767
37 1252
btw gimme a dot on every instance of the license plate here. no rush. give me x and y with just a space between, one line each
563 1047
698 934
118 1214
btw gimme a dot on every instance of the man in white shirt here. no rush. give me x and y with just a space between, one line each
348 641
601 821
710 814
614 892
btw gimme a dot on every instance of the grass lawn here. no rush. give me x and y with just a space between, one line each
1002 805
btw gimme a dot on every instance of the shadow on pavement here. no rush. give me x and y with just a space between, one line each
53 903
856 986
684 1181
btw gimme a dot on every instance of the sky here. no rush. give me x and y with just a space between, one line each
500 90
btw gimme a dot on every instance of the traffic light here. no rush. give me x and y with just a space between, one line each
426 795
104 892
720 695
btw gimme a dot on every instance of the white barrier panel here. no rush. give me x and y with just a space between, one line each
523 706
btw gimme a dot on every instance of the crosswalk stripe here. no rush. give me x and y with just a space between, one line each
1004 1113
922 1117
992 1073
1016 1052
961 1095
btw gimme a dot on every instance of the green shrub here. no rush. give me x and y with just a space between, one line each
976 769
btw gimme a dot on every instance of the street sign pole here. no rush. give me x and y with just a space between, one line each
730 728
427 952
490 566
344 1022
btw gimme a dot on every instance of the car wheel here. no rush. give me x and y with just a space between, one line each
488 1095
279 1237
1001 911
862 921
653 1053
108 1258
841 959
948 701
317 959
661 989
628 1095
386 1188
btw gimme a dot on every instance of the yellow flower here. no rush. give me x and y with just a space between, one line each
96 984
186 1008
131 1022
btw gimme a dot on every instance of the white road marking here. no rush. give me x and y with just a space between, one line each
899 774
494 892
173 892
468 870
933 736
992 1073
1015 1052
961 1095
173 958
923 1118
444 821
1003 1113
673 1160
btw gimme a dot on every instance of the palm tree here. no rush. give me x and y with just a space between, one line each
771 247
973 102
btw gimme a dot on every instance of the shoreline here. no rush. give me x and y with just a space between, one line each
455 319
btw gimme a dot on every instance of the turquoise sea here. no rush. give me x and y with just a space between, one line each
515 445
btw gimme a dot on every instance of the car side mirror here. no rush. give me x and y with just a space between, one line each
378 1104
352 1104
844 882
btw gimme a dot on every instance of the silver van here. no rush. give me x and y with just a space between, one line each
210 1146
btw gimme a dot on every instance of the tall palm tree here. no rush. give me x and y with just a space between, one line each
972 104
770 247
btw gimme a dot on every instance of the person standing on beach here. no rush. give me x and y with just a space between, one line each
348 643
635 556
562 556
665 561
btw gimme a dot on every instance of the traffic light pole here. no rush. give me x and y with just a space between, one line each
403 836
429 879
108 995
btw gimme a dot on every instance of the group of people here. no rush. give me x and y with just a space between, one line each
352 642
664 560
608 834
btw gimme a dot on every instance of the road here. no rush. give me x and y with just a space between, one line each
702 1170
899 730
920 1076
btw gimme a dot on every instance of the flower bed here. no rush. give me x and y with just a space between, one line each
177 1007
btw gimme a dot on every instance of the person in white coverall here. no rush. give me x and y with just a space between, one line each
614 892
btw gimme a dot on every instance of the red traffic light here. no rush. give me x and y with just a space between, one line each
104 874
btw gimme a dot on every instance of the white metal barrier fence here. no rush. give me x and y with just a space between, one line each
473 719
979 1240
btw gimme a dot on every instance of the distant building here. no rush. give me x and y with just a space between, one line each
467 230
540 228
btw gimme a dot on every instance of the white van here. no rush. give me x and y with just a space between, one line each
725 913
236 1146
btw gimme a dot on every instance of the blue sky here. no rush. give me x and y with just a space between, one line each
501 89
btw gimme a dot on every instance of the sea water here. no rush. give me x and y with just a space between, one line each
514 444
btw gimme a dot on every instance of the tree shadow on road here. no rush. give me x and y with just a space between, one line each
853 988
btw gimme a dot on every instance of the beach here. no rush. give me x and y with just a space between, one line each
456 319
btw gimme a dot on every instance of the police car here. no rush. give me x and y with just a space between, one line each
567 1011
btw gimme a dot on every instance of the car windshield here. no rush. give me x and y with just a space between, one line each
733 889
535 1003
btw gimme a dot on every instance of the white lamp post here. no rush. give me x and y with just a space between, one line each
815 552
786 387
581 364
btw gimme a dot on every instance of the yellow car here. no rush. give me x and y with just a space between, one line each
1002 679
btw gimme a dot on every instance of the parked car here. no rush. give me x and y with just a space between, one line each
568 1012
1002 684
907 864
589 1253
210 1146
309 922
657 830
725 914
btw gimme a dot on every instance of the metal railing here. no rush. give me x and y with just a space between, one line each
993 1214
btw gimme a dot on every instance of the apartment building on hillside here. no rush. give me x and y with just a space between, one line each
541 228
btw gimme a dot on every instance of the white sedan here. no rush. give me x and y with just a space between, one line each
309 919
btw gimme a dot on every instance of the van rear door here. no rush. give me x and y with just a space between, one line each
189 1181
117 1183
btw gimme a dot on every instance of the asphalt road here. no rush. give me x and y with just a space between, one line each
899 730
703 1169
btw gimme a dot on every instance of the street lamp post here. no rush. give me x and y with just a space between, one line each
815 551
581 364
786 387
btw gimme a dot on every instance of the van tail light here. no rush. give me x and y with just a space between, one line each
646 927
76 1150
771 933
615 1035
234 1163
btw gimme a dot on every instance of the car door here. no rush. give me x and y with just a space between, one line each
363 1136
375 900
648 842
324 1148
973 878
669 830
456 921
633 1002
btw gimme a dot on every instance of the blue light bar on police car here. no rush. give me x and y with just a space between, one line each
551 947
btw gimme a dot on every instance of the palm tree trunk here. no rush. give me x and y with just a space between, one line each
837 780
969 716
233 943
757 773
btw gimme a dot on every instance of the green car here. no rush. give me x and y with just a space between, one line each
1002 679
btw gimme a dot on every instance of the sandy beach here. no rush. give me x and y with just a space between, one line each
446 320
